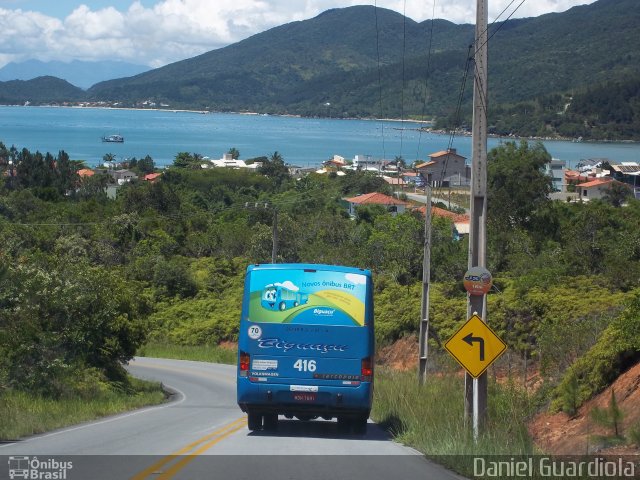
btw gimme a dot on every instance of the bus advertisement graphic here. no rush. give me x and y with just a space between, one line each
299 297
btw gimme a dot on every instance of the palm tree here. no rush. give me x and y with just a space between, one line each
109 158
276 157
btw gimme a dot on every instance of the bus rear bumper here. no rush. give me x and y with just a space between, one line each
326 402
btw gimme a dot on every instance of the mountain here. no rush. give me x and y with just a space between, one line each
79 73
294 68
333 58
38 91
367 61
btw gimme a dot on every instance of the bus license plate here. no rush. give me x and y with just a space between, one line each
304 397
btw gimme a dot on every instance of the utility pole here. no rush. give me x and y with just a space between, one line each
274 245
476 389
426 274
274 248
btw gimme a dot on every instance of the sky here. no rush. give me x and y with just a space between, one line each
158 32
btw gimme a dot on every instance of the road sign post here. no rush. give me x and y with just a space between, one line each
475 346
478 208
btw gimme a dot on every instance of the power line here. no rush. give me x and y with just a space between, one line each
501 24
456 122
375 10
483 99
426 76
404 51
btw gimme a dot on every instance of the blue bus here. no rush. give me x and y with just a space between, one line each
312 357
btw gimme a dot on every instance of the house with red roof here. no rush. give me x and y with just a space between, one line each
596 188
152 177
460 221
445 168
336 163
395 181
86 172
393 205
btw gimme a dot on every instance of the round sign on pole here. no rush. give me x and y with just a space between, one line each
478 281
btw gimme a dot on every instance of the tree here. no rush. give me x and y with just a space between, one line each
517 190
146 165
187 160
92 321
395 246
516 182
109 157
235 154
275 169
93 187
617 194
611 417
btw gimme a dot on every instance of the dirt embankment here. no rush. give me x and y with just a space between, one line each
556 434
562 435
401 355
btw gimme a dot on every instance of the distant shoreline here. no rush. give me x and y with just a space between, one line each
208 112
391 120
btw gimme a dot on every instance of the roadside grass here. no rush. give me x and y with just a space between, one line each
201 353
24 414
431 418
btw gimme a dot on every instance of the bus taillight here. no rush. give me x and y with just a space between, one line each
245 360
366 371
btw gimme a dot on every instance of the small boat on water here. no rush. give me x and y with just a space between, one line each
113 138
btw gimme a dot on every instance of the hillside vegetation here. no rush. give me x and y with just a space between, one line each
86 281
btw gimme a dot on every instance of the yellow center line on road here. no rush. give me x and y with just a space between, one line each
186 459
217 435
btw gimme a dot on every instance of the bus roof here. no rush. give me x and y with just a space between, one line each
308 266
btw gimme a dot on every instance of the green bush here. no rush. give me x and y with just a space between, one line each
617 348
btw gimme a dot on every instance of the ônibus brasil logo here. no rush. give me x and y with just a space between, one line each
36 469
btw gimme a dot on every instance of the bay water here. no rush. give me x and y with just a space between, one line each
305 142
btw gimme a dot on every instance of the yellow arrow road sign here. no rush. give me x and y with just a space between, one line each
475 346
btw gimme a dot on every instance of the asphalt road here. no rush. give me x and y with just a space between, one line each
202 434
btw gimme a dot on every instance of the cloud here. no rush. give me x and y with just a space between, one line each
172 30
288 284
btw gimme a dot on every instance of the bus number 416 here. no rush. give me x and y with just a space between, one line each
305 365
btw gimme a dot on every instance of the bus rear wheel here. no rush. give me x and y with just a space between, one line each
344 424
271 421
254 421
359 425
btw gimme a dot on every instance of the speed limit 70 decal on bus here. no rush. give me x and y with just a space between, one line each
305 346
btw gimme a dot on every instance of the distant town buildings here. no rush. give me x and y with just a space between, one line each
393 205
445 168
227 161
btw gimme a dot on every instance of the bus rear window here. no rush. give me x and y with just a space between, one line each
312 297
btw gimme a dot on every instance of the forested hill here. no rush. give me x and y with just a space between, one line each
344 61
39 90
299 67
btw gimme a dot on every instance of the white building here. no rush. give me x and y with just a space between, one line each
227 161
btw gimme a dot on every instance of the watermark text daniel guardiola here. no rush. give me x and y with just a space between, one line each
554 467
